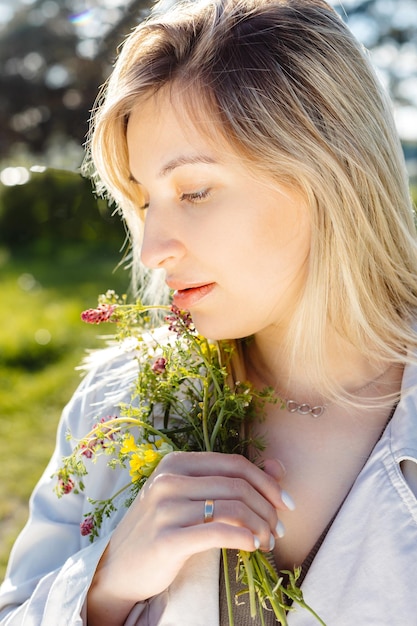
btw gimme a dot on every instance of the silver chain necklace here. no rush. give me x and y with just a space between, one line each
305 408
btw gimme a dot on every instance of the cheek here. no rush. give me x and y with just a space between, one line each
283 241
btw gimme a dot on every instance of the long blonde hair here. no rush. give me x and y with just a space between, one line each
295 95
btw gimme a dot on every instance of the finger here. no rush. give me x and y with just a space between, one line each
168 489
170 515
178 501
237 513
217 464
231 512
203 537
274 468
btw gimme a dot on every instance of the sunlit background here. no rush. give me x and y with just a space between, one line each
54 55
59 245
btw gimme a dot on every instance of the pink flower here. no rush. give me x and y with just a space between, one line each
87 526
86 449
104 434
65 485
102 313
159 365
180 320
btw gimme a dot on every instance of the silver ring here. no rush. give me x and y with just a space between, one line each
208 511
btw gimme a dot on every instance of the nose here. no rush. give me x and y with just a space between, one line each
161 246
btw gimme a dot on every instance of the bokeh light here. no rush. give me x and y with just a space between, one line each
81 18
12 176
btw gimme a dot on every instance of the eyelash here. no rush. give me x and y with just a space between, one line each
195 197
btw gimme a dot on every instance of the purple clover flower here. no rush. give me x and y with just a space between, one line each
159 365
87 447
102 313
180 321
66 486
87 526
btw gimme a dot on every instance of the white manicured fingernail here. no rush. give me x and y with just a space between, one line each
287 500
271 542
280 530
256 542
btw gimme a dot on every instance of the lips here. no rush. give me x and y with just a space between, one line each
186 297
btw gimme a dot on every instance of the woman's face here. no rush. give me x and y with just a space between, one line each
233 246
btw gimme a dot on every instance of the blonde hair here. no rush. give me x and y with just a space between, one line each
295 95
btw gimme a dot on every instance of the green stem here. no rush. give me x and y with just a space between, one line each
207 363
121 490
227 586
251 583
303 604
142 308
275 599
261 614
312 612
205 407
296 595
135 422
217 426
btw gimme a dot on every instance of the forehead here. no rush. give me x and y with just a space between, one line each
163 124
192 106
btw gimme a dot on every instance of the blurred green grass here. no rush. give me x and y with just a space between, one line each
42 340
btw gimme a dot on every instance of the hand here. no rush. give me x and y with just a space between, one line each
165 524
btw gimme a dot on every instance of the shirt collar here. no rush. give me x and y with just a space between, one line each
403 426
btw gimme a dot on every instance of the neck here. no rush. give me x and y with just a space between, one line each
267 364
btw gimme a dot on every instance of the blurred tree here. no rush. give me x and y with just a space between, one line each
53 208
389 29
54 54
50 72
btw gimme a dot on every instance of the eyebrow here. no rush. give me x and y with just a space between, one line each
185 160
178 162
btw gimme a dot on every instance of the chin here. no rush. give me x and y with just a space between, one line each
216 329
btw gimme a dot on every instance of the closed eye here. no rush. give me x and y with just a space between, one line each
195 196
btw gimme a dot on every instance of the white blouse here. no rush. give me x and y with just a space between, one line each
365 573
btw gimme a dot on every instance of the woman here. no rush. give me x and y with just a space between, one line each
255 160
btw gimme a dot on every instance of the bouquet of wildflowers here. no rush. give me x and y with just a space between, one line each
186 379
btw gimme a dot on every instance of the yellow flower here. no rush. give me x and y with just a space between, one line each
136 464
145 458
128 445
150 456
209 350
